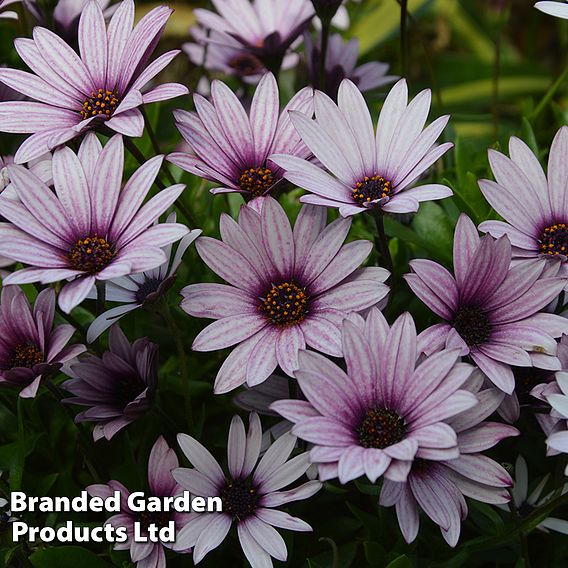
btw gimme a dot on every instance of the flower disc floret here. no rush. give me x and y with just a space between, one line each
26 355
102 102
257 181
240 499
380 428
473 325
554 239
371 189
91 254
285 304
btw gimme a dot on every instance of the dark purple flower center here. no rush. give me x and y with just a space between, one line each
102 102
239 498
90 254
257 181
554 240
128 388
370 189
25 355
380 428
285 304
472 324
159 519
246 64
149 286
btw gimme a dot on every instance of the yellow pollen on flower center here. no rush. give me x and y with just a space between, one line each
285 304
257 181
554 240
90 254
102 102
370 189
25 355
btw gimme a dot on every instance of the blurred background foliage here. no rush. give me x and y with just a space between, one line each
493 65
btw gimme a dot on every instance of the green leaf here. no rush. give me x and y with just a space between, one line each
435 230
375 554
401 562
67 557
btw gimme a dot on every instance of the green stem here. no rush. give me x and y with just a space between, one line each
74 322
404 37
156 145
548 95
381 241
325 29
101 296
175 332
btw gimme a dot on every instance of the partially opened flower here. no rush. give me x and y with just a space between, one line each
524 503
30 346
142 289
559 9
286 289
90 229
102 86
5 13
161 483
264 30
222 53
386 411
490 309
439 487
542 229
341 63
364 170
118 387
249 493
232 148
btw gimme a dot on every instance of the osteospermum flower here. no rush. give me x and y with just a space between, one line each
559 9
439 487
232 148
161 463
341 63
525 503
542 229
118 387
103 86
490 309
90 229
386 411
364 171
264 31
143 289
285 289
30 347
249 493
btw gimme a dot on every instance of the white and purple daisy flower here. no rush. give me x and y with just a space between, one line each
286 289
364 170
90 229
264 28
249 493
101 86
161 463
30 347
558 9
490 309
142 289
542 229
386 410
341 63
118 387
439 487
232 147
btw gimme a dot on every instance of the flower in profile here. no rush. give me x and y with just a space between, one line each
490 309
249 493
364 170
386 411
439 487
222 53
8 14
524 503
140 290
537 231
266 32
30 346
558 9
285 289
161 484
90 229
103 85
341 63
555 425
118 387
232 148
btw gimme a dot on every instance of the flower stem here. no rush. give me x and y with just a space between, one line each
156 144
404 37
175 332
381 241
325 29
101 296
548 95
74 322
